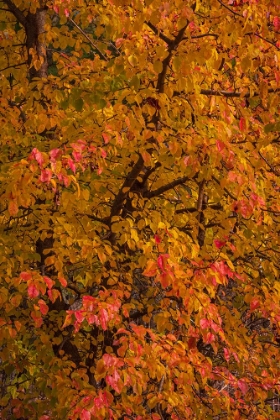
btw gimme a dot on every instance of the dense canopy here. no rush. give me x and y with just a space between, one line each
139 211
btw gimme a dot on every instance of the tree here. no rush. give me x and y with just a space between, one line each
139 209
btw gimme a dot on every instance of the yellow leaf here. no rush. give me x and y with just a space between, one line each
134 235
158 66
132 59
41 128
141 224
86 194
116 227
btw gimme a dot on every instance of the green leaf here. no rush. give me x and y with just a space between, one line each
79 104
64 104
272 127
135 82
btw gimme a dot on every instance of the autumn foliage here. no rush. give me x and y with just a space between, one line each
139 212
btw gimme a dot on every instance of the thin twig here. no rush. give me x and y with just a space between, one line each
264 39
202 36
88 38
159 391
228 94
13 66
268 164
228 8
226 190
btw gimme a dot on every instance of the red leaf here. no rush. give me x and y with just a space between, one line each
79 316
37 319
222 268
77 156
54 154
104 318
46 175
85 415
151 269
89 302
209 338
111 360
226 354
257 199
243 207
106 138
92 319
103 153
219 244
119 42
276 22
215 327
71 164
192 342
103 399
113 381
139 330
62 281
165 279
242 124
79 146
49 282
53 295
157 239
220 145
36 154
44 309
32 290
25 276
204 323
254 304
161 261
243 386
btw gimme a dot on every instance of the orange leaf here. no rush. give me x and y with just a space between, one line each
13 207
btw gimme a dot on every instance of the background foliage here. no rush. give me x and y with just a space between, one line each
139 209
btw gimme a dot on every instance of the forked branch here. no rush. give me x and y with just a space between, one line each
16 12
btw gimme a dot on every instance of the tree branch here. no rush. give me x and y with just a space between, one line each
165 63
13 66
105 221
149 172
16 12
189 210
202 36
157 32
201 205
228 94
128 183
161 190
194 209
